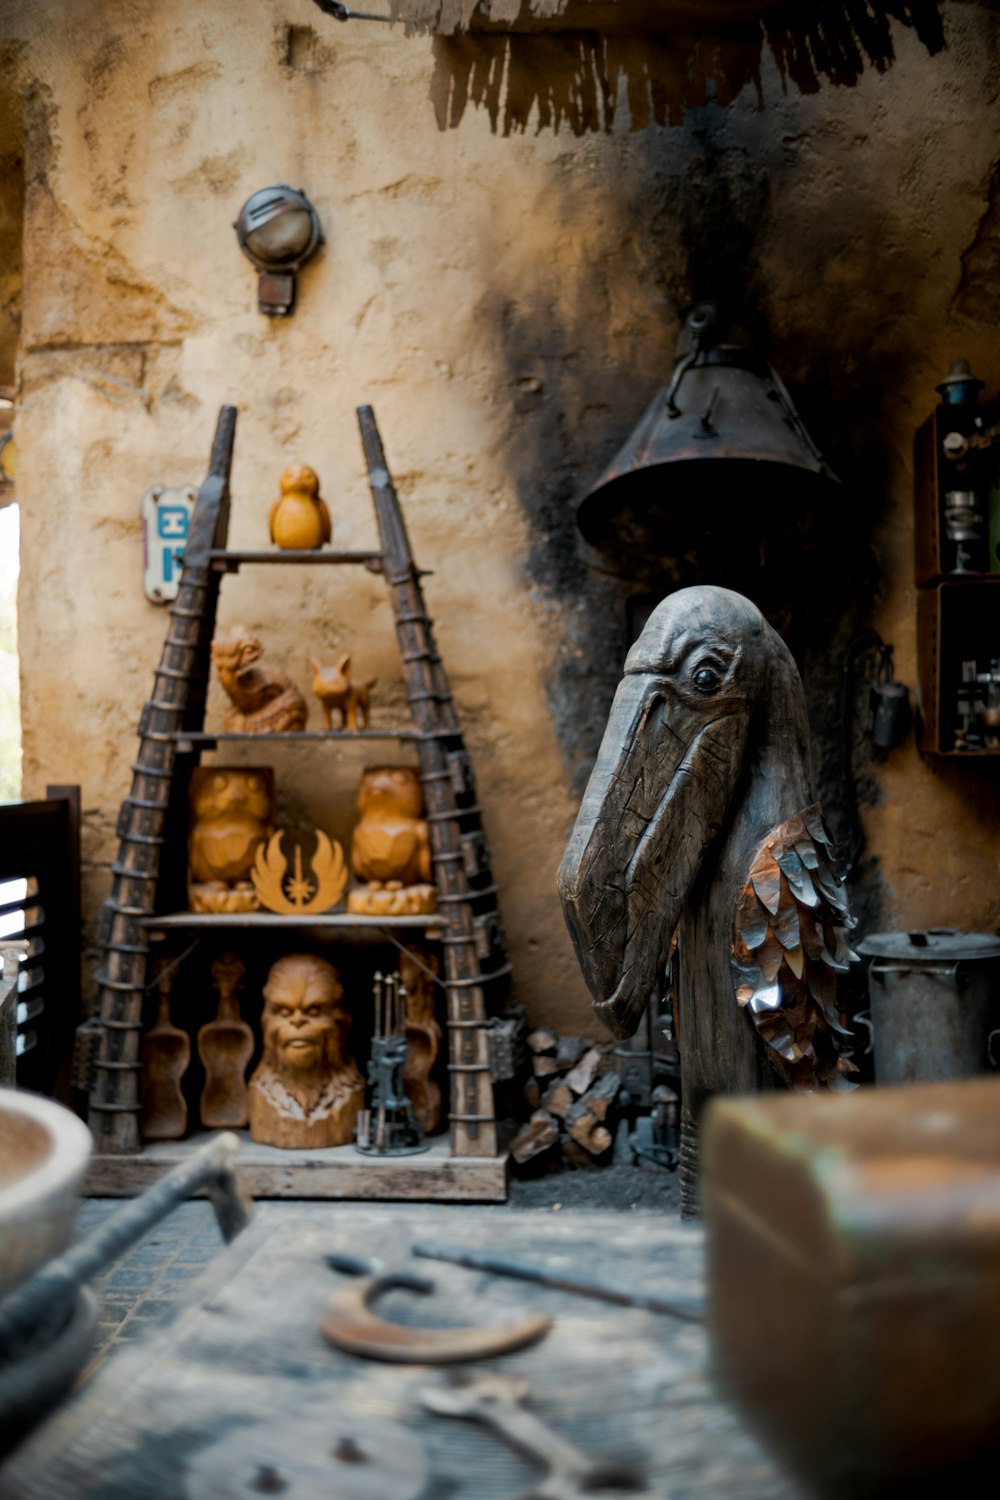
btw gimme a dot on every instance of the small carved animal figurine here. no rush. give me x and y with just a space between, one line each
264 700
334 689
299 520
699 818
232 814
306 1090
391 847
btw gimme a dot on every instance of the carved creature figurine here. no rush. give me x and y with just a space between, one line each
699 818
264 700
166 1053
299 520
225 1047
306 1090
232 814
335 690
423 1037
391 848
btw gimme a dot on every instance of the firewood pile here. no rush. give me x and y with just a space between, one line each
572 1099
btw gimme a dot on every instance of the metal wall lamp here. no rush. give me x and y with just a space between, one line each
279 230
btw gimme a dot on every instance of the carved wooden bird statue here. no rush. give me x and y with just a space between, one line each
699 819
299 519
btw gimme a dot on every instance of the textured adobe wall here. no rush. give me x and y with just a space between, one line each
508 306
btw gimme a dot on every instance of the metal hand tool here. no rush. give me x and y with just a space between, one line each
499 1265
496 1400
352 1325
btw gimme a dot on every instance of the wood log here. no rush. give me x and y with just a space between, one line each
532 1093
587 1131
569 1050
601 1098
540 1134
557 1098
578 1156
580 1077
543 1039
544 1067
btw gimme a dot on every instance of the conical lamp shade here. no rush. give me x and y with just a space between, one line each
719 456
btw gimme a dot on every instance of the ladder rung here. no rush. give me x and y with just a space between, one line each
460 812
180 675
157 771
463 984
119 984
470 895
118 869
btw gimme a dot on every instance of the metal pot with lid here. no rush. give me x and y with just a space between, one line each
935 998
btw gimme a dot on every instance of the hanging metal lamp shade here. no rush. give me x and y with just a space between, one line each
658 501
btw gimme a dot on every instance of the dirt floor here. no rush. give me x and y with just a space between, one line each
151 1283
620 1188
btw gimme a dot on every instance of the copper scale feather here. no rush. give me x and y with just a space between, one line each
789 945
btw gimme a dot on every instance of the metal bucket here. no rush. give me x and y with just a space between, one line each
934 1002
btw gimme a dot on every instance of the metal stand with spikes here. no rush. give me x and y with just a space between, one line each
152 823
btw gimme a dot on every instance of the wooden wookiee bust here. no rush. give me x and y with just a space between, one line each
306 1090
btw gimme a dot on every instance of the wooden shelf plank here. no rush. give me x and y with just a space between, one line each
330 1172
344 920
208 738
227 561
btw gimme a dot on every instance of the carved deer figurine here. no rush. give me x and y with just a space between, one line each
334 689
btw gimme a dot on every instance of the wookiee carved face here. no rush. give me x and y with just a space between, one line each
302 1019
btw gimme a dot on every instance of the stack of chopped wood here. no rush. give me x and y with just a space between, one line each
572 1103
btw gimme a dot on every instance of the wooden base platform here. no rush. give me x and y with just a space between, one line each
332 1172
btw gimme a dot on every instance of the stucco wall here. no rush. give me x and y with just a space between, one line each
508 305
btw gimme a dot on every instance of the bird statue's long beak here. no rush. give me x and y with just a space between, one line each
657 797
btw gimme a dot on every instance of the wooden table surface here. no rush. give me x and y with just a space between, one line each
623 1384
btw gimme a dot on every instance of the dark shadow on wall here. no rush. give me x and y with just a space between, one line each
573 80
688 235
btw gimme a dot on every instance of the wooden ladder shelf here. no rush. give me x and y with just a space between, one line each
171 738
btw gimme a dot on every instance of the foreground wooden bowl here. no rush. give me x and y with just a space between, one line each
42 1162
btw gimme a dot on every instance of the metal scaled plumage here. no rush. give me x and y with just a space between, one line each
789 945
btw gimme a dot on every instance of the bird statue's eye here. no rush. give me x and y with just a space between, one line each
705 680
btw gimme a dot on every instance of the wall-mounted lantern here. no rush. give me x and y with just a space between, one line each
278 229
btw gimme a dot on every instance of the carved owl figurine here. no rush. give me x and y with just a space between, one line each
299 520
390 841
232 813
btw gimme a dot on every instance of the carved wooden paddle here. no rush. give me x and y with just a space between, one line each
225 1046
166 1053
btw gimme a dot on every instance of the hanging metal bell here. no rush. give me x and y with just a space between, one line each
658 501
